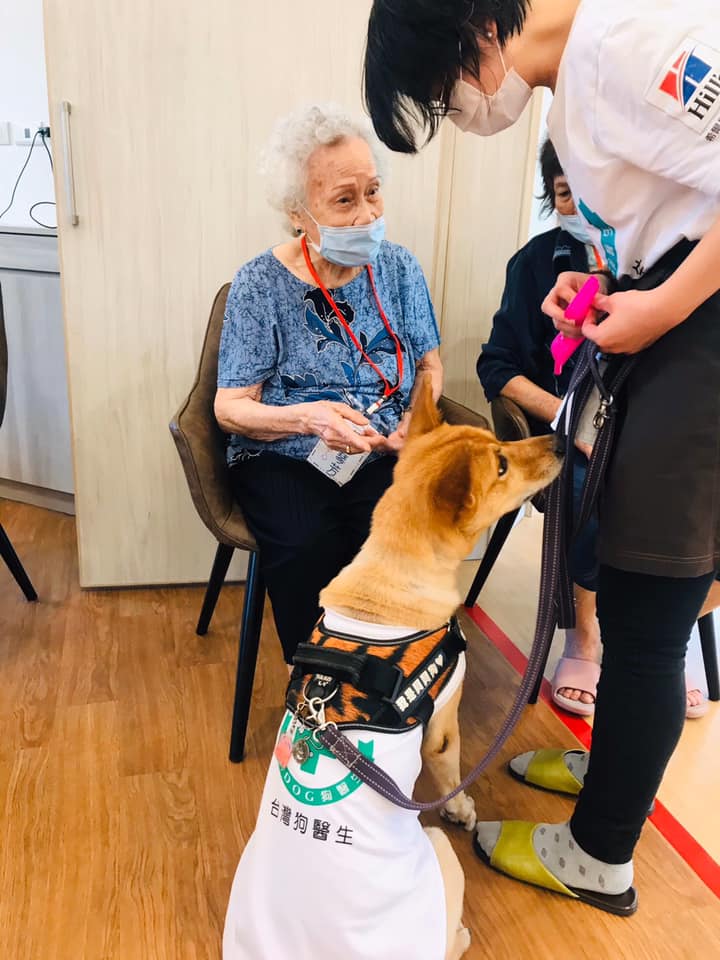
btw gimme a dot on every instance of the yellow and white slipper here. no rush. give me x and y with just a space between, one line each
515 856
548 770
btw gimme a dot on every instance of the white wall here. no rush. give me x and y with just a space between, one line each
23 100
538 223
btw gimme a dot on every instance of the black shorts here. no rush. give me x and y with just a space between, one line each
660 509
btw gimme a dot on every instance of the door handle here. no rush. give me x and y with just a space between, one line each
68 170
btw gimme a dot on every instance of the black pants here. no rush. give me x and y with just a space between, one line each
308 528
645 623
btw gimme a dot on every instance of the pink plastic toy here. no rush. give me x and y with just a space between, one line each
562 347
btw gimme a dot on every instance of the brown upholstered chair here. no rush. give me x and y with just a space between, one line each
511 424
7 551
458 414
201 445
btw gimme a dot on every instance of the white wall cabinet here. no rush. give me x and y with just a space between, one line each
35 446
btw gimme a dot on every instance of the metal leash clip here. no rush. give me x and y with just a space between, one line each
603 412
310 713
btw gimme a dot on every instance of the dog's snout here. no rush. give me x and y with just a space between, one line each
559 445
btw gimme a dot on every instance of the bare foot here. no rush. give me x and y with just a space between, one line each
582 643
582 695
696 703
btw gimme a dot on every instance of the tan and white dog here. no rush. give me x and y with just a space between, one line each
333 869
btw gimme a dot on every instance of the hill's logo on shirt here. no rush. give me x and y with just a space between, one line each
688 87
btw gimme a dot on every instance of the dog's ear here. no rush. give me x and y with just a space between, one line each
454 493
425 414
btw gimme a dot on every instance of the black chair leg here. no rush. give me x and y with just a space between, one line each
706 626
223 556
247 656
16 568
500 535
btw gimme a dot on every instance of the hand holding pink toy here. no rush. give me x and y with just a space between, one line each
563 347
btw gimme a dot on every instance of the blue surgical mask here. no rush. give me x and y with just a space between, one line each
575 226
350 246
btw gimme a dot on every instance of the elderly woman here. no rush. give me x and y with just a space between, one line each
325 336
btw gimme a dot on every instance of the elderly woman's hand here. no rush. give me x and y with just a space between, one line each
341 427
395 441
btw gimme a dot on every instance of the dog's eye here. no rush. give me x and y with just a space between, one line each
502 465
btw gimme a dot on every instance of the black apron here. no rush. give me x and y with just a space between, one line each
660 507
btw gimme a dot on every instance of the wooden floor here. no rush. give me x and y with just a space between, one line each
122 820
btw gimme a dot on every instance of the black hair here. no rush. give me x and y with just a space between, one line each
415 50
549 169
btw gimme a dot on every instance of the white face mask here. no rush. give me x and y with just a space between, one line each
575 226
486 114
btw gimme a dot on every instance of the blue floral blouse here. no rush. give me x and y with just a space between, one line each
281 332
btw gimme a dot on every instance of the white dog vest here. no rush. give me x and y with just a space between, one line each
332 868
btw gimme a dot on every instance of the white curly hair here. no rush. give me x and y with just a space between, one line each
295 137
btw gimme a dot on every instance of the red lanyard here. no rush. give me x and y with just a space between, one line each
388 391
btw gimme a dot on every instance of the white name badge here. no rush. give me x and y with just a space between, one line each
335 464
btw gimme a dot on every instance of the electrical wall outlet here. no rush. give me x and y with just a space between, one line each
5 133
24 133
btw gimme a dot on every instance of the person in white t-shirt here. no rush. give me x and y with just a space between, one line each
636 124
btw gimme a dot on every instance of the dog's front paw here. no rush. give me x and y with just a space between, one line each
460 810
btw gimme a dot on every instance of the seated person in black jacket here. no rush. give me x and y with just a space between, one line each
516 363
